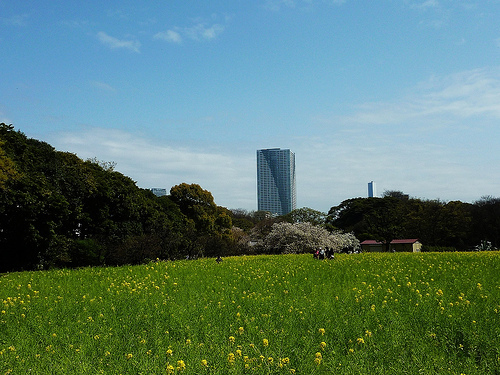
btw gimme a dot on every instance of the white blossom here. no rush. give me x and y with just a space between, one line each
305 237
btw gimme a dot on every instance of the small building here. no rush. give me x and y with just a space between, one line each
402 245
159 192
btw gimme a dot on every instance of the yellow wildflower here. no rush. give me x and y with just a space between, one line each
204 363
318 358
265 342
231 339
322 344
129 355
322 331
181 366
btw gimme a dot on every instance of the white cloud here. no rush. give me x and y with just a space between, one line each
153 165
426 4
276 5
169 36
114 43
471 93
198 32
16 20
103 86
437 143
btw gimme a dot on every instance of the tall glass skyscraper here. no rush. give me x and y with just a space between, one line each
276 191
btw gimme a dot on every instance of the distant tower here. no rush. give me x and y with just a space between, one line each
159 192
276 181
372 189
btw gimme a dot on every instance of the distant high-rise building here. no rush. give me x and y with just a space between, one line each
159 192
372 189
276 191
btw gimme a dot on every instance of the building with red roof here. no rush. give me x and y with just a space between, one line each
401 245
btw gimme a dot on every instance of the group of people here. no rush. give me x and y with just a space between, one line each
326 253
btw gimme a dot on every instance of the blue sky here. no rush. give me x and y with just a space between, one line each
402 92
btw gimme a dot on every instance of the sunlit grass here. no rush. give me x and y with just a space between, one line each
377 313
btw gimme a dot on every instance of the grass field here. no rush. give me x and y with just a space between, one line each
428 313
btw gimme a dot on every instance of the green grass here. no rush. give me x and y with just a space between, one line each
428 313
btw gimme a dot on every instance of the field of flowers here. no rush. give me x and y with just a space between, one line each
425 313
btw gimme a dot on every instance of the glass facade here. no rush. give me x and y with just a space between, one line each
276 191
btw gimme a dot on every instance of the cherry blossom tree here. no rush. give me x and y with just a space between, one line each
288 238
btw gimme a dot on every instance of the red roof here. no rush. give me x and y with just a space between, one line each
411 240
374 242
371 242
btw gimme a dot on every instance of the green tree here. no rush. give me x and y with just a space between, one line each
486 221
211 223
57 210
306 215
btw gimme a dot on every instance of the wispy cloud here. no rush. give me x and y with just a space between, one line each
411 144
16 20
471 93
276 5
169 36
427 4
103 86
201 29
200 32
115 43
155 165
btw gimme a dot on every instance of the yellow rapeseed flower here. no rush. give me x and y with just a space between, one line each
265 342
360 340
318 358
129 355
170 369
322 331
181 366
231 339
204 363
322 344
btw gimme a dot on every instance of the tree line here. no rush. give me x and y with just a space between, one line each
439 225
57 210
